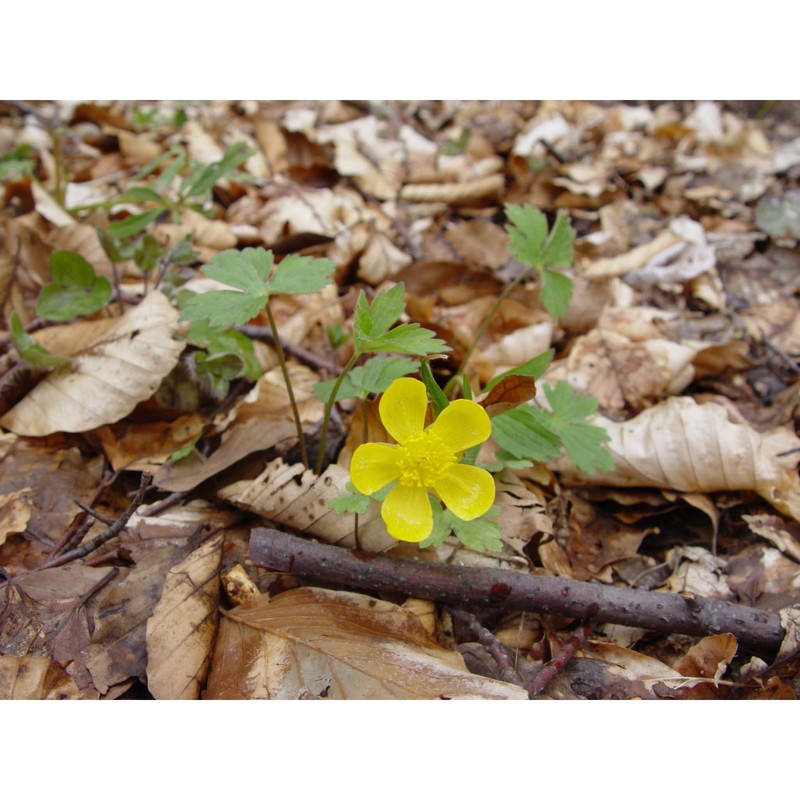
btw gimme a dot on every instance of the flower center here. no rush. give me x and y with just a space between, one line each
423 459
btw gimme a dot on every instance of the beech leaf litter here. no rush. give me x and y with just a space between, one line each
203 302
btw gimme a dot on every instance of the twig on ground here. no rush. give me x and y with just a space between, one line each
114 530
493 646
555 665
169 501
264 334
758 630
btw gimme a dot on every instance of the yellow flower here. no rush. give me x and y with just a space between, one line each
424 459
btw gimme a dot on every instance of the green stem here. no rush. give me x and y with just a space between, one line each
287 380
484 327
326 420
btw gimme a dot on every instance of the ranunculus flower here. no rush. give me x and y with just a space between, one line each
423 460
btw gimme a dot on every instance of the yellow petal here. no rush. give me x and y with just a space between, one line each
403 408
462 425
407 513
373 467
466 490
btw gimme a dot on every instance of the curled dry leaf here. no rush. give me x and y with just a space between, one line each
184 622
106 380
291 496
682 445
15 511
508 393
339 645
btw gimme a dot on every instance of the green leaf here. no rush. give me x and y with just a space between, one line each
201 180
301 275
482 534
371 325
556 292
529 242
521 432
246 269
75 291
534 368
374 377
134 224
528 239
184 451
337 335
31 352
410 339
373 320
147 253
223 308
142 194
437 395
153 165
582 441
221 342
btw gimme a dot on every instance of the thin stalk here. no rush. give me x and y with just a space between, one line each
288 382
484 326
58 190
326 420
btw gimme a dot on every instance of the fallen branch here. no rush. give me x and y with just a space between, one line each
755 629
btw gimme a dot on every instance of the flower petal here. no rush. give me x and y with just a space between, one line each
466 490
462 425
407 513
403 408
374 466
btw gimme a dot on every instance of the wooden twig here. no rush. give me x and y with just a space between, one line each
555 665
758 630
493 646
114 530
264 334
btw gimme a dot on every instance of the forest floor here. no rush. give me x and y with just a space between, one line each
164 535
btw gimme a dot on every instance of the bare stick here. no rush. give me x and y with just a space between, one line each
506 590
555 665
492 644
114 530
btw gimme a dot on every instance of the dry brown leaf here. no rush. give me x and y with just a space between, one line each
15 511
183 626
682 445
108 379
381 260
263 420
145 447
775 530
633 259
709 658
36 678
508 393
322 643
180 522
117 651
55 476
294 497
622 374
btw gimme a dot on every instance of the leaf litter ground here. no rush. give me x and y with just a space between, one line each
682 325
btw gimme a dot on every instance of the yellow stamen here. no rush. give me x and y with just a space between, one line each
423 459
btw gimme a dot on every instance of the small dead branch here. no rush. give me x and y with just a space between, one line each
555 665
758 630
113 530
486 638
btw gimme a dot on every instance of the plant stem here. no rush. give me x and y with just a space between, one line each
326 420
484 327
287 380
